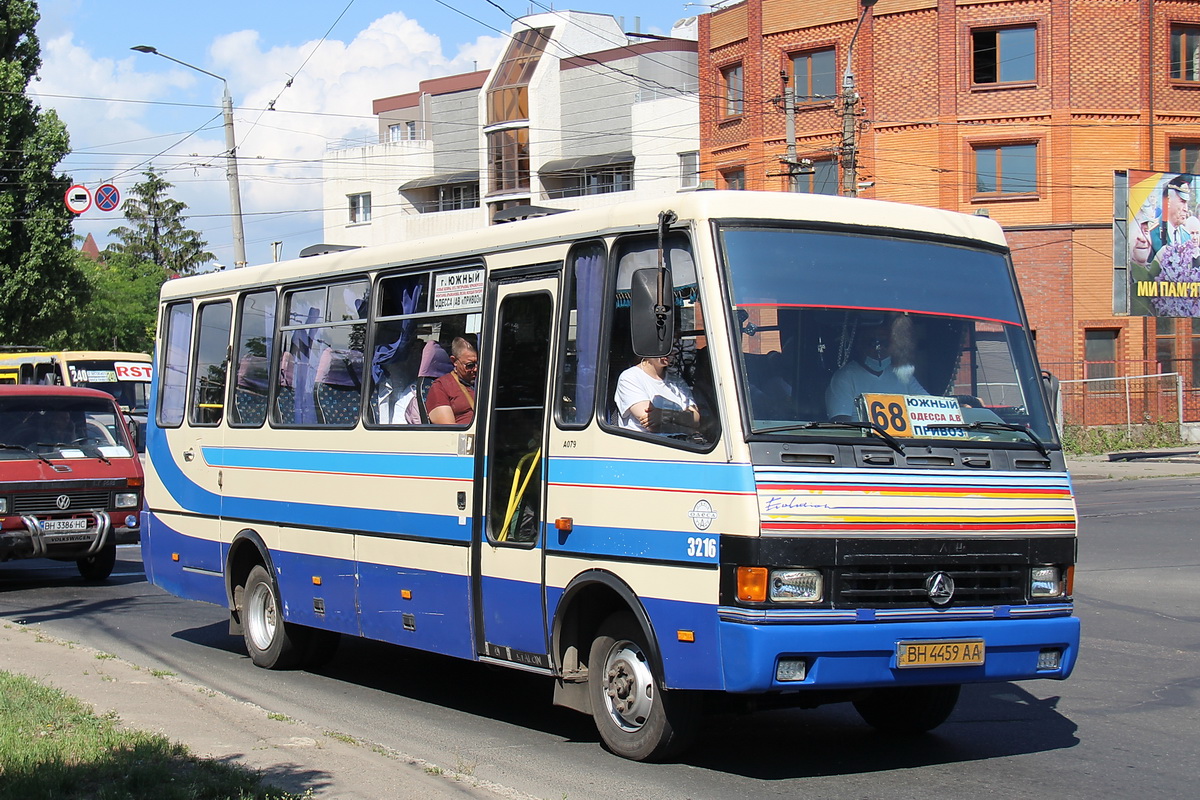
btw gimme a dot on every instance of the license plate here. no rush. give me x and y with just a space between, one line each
940 653
57 525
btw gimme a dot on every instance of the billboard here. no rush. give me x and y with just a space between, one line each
1164 245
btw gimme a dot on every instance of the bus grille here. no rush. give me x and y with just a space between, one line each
47 502
903 585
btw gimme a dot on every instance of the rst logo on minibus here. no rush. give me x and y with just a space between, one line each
133 371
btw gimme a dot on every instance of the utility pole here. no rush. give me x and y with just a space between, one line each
850 101
792 167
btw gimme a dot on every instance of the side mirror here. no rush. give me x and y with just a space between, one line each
652 313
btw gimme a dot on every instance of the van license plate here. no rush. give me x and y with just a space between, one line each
64 525
940 653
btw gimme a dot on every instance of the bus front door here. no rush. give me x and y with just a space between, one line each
507 561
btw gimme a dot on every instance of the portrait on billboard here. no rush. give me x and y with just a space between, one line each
1164 245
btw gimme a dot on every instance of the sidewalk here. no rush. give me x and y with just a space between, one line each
297 757
1165 463
290 754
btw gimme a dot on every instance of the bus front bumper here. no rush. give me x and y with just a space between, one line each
860 655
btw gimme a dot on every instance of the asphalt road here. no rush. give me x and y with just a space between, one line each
1125 723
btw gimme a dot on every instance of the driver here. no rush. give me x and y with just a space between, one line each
880 365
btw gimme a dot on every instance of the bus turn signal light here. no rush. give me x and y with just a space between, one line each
752 584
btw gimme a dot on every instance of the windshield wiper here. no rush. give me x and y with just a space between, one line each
988 425
892 441
73 446
39 456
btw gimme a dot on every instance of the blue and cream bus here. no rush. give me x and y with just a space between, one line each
872 508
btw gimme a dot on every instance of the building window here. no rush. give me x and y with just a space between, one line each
360 207
1100 358
1006 170
823 179
403 131
689 170
591 180
1164 344
734 179
731 84
454 198
508 160
814 76
1004 55
1184 157
508 96
1185 53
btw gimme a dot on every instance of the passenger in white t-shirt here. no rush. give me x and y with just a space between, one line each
648 401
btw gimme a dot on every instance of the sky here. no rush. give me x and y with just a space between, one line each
128 111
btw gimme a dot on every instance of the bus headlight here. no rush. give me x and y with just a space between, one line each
796 586
126 500
1045 582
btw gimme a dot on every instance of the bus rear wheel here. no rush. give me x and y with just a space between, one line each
271 642
907 709
635 718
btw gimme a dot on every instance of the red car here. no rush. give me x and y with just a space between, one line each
70 477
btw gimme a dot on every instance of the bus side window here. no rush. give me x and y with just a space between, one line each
208 381
585 298
255 342
176 349
679 390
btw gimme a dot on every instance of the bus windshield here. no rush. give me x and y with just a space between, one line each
919 338
128 382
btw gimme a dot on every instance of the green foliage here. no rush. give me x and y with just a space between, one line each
52 746
40 283
1081 440
123 305
156 232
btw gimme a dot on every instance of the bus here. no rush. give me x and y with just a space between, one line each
785 533
126 376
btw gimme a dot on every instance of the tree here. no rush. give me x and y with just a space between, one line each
156 232
40 282
123 306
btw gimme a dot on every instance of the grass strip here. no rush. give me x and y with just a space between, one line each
52 746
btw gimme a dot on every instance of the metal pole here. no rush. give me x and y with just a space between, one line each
849 102
231 174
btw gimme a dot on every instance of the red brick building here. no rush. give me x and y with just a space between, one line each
1018 109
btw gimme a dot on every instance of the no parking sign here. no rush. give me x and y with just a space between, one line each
107 197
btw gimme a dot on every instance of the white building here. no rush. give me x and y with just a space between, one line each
575 114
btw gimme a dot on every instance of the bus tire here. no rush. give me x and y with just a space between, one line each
271 642
635 718
99 566
907 709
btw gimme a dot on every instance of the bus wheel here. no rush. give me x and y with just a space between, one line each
271 642
636 719
907 709
99 566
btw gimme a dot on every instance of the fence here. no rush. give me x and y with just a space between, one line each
1128 400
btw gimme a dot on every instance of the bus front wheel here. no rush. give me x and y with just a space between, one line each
907 709
271 642
635 718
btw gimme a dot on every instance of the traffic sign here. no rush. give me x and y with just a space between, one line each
78 199
107 197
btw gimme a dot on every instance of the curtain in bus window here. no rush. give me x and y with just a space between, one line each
589 292
304 370
410 298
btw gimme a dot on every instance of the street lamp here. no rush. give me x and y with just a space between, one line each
849 101
231 169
